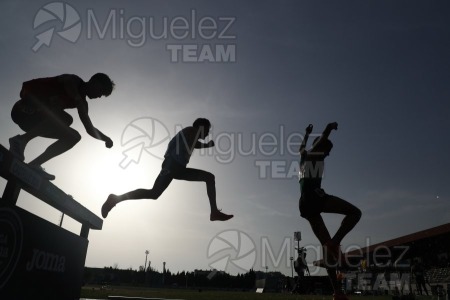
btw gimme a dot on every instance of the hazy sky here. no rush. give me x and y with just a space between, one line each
381 69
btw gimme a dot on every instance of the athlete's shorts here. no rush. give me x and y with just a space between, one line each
312 202
171 168
28 116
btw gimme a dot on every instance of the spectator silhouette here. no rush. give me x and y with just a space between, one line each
418 271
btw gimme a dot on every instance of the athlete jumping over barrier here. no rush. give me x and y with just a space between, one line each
314 201
174 165
40 112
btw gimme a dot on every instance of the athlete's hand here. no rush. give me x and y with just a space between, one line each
333 125
108 142
309 129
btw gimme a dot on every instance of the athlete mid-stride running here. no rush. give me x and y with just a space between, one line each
174 165
40 113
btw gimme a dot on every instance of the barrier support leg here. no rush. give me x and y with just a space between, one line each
11 192
84 231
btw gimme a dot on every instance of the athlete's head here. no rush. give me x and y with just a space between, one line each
202 125
99 85
324 146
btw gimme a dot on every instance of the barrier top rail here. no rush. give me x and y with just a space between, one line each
21 176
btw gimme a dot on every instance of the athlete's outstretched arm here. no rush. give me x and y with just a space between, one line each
90 129
325 135
327 131
308 131
71 83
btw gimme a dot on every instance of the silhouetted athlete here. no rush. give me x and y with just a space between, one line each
418 270
300 266
314 201
40 112
174 165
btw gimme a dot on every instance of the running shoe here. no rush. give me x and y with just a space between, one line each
218 215
108 205
41 171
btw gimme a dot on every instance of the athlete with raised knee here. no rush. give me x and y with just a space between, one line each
314 201
40 113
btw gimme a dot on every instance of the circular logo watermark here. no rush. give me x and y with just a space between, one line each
231 248
143 134
69 27
11 237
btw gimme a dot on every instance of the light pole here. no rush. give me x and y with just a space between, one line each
298 238
145 265
292 267
164 273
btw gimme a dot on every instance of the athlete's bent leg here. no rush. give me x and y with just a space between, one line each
190 174
319 229
352 214
321 232
70 138
160 185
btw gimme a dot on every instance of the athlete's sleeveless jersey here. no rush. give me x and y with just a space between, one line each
311 172
178 150
49 92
